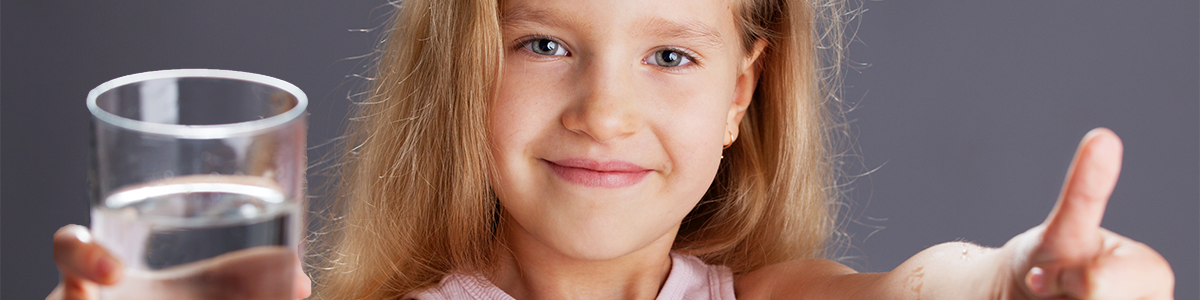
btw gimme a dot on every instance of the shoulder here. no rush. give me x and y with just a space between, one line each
800 279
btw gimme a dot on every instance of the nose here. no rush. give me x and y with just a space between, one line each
606 102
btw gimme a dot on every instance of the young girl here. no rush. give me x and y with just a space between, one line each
632 149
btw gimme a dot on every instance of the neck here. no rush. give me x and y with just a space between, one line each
531 270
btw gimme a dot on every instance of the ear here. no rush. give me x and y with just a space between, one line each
747 82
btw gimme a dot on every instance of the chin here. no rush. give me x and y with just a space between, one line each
594 225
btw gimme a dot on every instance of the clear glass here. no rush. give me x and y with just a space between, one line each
197 183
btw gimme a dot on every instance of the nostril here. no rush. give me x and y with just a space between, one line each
603 121
606 105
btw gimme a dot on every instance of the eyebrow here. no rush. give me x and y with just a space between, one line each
704 34
688 30
522 16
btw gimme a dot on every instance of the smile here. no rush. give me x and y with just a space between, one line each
585 172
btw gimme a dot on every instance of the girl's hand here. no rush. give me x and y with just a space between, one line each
1067 257
1070 257
82 263
240 275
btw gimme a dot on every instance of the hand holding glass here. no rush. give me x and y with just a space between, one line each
197 183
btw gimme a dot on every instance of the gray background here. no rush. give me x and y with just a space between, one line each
969 111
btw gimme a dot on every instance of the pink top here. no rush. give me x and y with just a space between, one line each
689 279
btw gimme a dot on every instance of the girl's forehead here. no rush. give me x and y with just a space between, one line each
707 21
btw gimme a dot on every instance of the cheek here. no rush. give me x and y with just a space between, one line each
682 127
523 106
694 149
523 111
691 123
691 117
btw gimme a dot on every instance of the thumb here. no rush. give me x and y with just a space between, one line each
1072 236
83 264
79 258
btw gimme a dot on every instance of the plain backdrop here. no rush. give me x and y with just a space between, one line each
966 113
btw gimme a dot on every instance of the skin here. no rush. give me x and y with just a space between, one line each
246 274
602 97
1076 258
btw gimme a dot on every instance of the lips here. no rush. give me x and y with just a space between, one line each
590 173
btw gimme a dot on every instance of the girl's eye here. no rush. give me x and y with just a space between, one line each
668 58
545 47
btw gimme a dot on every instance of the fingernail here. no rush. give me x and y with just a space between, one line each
81 234
1036 281
106 268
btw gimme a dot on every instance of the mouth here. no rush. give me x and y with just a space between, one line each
590 173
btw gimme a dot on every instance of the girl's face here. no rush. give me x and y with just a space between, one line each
609 121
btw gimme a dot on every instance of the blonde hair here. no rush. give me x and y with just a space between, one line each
415 201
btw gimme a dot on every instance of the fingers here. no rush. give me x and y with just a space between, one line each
77 292
302 285
1124 269
82 264
267 272
1127 263
255 273
79 259
1072 230
1072 238
1070 256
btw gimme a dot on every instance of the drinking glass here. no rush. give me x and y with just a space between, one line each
197 183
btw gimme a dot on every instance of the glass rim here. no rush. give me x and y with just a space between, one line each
199 131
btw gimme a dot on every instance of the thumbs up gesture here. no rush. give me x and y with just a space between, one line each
1070 257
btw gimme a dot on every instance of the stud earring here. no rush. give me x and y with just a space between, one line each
730 132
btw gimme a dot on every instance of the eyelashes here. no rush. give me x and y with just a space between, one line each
542 47
670 58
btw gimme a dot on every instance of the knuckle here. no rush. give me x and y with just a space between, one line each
56 294
76 289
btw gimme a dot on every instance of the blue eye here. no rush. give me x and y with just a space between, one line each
668 58
547 47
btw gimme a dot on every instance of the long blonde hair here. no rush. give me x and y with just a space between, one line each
415 201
